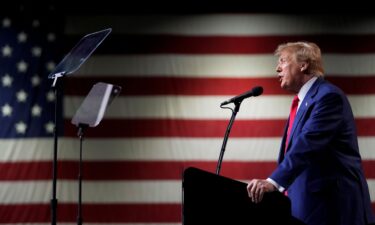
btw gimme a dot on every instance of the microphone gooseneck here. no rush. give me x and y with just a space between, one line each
256 91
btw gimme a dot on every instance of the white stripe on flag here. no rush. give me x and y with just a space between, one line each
149 149
102 192
239 65
230 24
208 107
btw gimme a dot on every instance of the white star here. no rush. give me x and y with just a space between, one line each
50 65
36 23
7 80
21 96
22 37
22 66
7 51
50 96
21 127
51 37
35 80
36 110
50 127
36 51
6 22
7 110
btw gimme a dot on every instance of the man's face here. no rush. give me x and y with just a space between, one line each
289 72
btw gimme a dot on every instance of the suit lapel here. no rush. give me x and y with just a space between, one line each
304 106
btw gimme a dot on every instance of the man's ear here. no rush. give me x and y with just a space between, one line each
304 66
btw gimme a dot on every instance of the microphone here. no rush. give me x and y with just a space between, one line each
256 91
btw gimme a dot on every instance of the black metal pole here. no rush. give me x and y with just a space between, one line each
80 135
234 113
57 86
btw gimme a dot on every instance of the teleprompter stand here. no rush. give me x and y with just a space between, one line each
68 65
89 114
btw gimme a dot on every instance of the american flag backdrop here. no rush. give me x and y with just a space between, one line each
174 71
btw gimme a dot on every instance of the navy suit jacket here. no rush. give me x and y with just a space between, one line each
322 168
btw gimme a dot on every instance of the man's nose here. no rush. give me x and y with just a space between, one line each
278 69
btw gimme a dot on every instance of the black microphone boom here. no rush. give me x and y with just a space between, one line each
256 91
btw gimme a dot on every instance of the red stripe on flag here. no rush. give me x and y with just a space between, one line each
23 213
116 128
143 170
365 126
369 168
354 85
95 213
206 86
130 170
175 85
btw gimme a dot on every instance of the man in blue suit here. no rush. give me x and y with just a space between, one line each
319 166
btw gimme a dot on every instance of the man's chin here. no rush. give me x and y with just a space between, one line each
286 87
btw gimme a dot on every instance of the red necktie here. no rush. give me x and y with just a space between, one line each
292 115
293 111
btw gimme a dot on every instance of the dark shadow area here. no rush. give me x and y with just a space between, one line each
185 7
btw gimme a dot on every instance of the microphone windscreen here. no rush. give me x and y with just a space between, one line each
257 91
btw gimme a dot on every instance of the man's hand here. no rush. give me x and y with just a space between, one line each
256 189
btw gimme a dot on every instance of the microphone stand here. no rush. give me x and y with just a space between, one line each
234 113
81 129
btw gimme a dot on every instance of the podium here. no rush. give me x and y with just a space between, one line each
212 199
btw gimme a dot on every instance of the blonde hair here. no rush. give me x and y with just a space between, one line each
305 52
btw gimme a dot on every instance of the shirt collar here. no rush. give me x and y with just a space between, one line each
305 88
